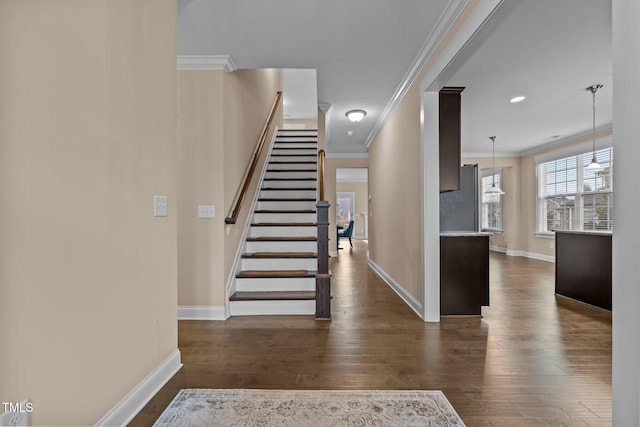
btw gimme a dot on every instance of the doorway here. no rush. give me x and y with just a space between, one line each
352 200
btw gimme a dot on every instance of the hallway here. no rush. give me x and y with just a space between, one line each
533 359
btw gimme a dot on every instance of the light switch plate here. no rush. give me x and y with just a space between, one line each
160 206
206 211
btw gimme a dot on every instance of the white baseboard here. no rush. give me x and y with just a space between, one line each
402 292
202 313
129 406
532 255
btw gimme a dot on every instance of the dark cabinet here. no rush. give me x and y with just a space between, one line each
464 274
449 125
584 267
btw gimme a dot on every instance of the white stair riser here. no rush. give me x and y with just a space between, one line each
285 217
276 284
294 158
311 152
289 145
297 132
289 184
276 231
273 264
292 175
282 246
286 205
288 194
257 308
295 166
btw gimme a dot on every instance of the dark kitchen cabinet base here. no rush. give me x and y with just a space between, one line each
584 267
464 274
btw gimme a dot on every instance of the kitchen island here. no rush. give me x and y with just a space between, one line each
464 273
584 266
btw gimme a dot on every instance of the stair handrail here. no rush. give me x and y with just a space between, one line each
251 167
321 155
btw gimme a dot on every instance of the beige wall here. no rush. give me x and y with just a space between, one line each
248 98
394 186
361 192
220 119
322 134
88 136
200 182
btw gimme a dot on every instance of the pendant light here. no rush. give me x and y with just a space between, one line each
494 189
594 165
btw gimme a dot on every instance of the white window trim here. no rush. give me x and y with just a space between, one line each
484 173
573 150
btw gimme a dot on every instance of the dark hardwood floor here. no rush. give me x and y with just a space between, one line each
534 359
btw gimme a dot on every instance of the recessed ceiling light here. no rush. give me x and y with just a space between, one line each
355 115
518 98
350 132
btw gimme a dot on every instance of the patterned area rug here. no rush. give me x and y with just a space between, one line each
305 408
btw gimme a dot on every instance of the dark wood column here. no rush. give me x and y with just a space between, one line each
449 116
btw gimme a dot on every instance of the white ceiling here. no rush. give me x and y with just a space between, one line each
361 49
547 50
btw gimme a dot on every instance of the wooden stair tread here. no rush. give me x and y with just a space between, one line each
292 170
288 189
290 179
247 274
282 239
291 162
285 200
291 155
283 224
280 255
296 148
285 211
273 296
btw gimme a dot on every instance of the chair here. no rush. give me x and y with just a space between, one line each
347 232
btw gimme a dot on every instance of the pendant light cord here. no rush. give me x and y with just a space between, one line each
493 156
593 134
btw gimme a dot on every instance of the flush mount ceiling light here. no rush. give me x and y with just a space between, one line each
594 165
355 115
518 98
494 189
350 132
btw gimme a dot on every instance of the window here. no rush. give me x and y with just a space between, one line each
570 197
345 203
491 203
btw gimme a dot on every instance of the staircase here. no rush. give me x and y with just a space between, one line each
277 270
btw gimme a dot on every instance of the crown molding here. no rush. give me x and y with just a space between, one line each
206 62
446 21
601 132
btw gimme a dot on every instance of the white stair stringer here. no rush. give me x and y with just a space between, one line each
276 271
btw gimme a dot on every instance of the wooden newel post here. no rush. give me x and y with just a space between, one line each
323 277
